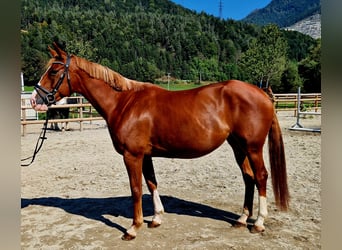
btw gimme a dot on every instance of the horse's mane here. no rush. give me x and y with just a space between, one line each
114 79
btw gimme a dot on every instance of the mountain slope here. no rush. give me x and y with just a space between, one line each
284 13
309 26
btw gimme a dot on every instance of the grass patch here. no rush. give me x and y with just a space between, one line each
28 88
180 85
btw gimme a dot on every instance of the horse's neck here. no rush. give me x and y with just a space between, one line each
102 96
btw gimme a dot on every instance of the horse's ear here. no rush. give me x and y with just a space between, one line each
53 53
59 51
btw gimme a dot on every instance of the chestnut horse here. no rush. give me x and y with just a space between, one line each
146 121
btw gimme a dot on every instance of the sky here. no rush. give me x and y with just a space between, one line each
231 9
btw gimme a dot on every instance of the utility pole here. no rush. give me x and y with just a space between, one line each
220 9
168 81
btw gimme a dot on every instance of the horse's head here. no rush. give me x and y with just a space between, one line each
54 83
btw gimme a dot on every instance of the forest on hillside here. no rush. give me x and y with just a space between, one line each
147 39
284 13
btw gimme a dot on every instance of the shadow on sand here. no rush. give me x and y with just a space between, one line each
96 208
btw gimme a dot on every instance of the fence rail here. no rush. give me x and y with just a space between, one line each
84 111
289 102
80 112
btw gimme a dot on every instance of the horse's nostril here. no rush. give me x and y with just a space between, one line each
39 101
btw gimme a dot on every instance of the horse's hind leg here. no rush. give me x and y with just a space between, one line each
261 175
250 159
150 178
248 177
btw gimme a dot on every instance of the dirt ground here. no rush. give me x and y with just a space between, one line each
76 195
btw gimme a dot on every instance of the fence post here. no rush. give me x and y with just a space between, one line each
316 103
23 114
81 116
297 125
90 114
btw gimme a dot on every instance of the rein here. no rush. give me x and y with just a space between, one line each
39 144
48 99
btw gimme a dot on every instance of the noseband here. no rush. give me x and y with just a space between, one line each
49 97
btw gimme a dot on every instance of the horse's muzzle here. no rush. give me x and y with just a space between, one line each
37 103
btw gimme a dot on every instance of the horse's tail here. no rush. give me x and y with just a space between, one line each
278 165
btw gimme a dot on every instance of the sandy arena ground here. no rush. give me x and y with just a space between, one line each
76 195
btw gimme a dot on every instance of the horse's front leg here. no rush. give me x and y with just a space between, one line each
134 170
151 182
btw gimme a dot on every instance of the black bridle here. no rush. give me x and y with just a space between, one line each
49 97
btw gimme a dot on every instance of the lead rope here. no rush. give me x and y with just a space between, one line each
39 143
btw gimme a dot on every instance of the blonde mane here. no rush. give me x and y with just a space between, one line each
114 79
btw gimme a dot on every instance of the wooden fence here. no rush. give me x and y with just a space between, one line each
80 112
83 111
289 102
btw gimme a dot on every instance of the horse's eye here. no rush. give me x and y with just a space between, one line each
53 72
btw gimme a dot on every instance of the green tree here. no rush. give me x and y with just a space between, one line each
265 60
310 69
290 79
82 48
206 69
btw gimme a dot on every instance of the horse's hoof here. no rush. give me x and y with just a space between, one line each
239 224
128 237
257 229
153 224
